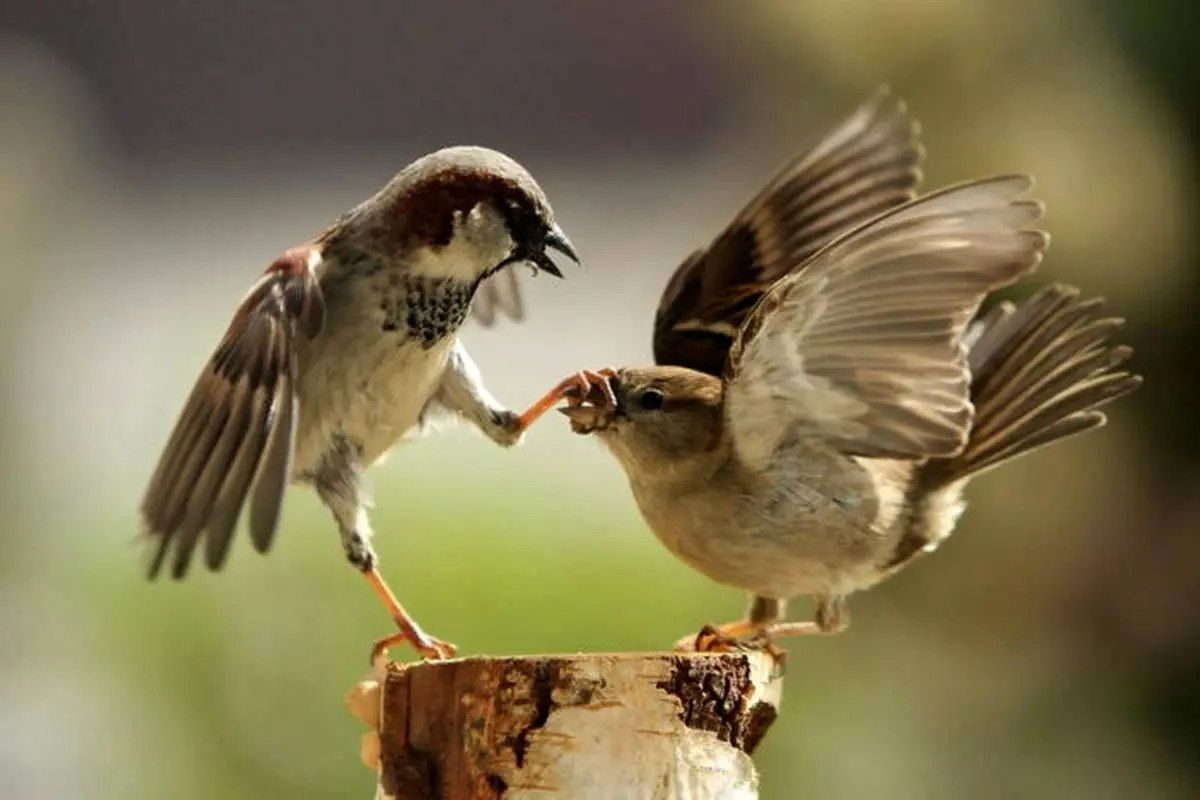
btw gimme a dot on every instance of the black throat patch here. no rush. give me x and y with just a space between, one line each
426 310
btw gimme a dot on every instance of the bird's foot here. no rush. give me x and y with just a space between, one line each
727 638
576 390
505 427
428 646
735 637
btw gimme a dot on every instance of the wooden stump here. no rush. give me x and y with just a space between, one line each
625 726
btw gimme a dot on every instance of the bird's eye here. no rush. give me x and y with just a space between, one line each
651 400
523 225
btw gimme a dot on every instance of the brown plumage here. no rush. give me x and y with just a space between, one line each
346 345
1039 374
821 431
867 164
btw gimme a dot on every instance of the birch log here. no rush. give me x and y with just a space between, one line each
665 726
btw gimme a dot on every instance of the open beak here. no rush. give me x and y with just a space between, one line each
558 241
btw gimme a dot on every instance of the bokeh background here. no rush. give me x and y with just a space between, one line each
155 155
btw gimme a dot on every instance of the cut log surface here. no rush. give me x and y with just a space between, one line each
621 726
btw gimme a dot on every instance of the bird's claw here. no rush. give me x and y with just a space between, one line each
410 631
710 639
734 637
583 386
427 646
590 386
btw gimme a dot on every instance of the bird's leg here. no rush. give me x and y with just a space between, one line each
339 485
831 617
410 631
462 391
763 625
761 612
575 389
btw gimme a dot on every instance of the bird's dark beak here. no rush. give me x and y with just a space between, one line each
555 240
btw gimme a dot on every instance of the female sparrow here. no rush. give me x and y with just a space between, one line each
820 401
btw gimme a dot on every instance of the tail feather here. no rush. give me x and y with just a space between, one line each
1064 365
976 330
1039 373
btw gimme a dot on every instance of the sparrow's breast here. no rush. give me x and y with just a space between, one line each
812 522
386 341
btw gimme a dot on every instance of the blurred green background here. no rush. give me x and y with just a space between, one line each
154 156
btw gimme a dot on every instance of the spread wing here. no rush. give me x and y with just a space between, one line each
237 430
498 292
868 164
865 347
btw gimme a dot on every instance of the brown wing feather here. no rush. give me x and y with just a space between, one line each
864 347
275 469
1038 376
237 427
868 164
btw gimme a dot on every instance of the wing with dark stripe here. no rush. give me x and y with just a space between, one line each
868 164
236 433
864 347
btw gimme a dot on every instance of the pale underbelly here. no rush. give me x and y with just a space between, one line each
373 408
779 572
818 550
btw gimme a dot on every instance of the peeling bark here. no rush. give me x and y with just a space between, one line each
627 726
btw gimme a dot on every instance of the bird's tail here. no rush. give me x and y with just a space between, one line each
1039 373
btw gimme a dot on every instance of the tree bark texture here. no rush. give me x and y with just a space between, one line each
665 726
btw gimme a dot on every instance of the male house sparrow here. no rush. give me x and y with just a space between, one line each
345 345
819 402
